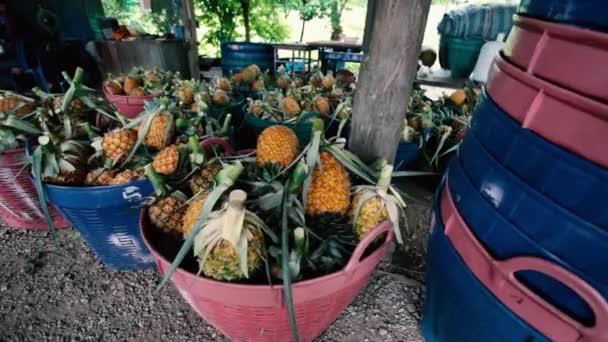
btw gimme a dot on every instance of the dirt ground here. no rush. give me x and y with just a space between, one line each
48 294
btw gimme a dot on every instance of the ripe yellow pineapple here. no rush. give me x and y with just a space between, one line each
117 144
158 136
291 106
139 91
277 145
127 176
328 81
114 87
75 106
372 213
185 92
329 191
194 210
167 215
204 179
166 161
99 177
131 83
237 78
250 73
373 205
230 251
321 105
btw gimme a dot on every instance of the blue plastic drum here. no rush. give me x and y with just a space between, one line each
571 181
107 217
505 240
458 307
585 13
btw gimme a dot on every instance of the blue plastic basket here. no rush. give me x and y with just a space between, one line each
407 152
107 217
458 307
571 181
505 240
585 13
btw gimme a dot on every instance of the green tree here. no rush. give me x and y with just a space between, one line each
335 15
308 10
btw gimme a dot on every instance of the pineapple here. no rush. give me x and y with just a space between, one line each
12 102
114 87
68 166
291 106
316 80
185 92
373 205
283 79
166 161
99 177
328 81
139 91
127 176
250 73
321 105
237 79
224 84
231 244
192 213
204 179
117 144
152 77
329 191
458 97
277 145
75 106
167 215
133 80
257 85
220 98
161 131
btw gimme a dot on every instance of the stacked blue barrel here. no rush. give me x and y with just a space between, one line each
519 246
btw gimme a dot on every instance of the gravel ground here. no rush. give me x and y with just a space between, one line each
49 294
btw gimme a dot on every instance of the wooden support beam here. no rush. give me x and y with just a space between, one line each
386 77
190 36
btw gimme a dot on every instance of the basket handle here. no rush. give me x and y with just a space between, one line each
368 239
213 141
499 278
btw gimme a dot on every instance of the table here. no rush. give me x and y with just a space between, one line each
332 51
298 51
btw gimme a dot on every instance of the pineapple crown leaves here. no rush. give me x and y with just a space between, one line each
8 140
380 191
231 224
36 160
11 121
226 179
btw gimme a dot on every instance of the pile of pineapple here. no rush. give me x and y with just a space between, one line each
291 97
16 120
142 82
320 198
438 126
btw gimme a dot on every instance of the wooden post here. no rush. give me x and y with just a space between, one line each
387 75
190 35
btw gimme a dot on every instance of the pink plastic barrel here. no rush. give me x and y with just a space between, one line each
499 278
19 205
572 121
571 57
258 312
129 106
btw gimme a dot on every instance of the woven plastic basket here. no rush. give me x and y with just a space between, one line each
129 106
19 205
258 312
107 217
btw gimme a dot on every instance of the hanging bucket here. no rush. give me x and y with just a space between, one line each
19 205
258 312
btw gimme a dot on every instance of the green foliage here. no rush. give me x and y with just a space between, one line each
309 9
224 21
127 11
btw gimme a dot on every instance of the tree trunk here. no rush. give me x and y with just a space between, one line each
302 32
245 9
336 20
387 75
190 36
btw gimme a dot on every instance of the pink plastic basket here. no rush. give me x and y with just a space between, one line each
19 205
499 278
568 56
575 122
258 312
129 106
